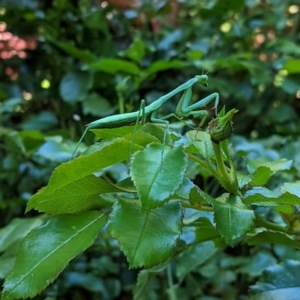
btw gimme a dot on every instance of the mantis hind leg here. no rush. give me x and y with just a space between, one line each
81 139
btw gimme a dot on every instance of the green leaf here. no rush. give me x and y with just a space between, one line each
111 133
261 176
7 263
147 238
74 86
157 180
136 51
292 189
258 263
201 140
243 179
16 231
268 237
44 120
183 192
260 195
233 219
10 105
274 166
64 176
31 139
72 198
292 65
97 106
278 282
97 20
163 65
115 66
70 49
194 256
47 250
143 288
197 196
157 131
206 231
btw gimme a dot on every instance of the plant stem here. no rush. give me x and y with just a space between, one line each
171 292
270 225
220 163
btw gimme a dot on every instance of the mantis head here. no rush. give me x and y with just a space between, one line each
202 79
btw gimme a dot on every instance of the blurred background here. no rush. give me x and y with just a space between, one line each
66 63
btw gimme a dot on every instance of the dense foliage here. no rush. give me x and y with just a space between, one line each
221 223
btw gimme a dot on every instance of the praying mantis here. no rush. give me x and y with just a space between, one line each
182 111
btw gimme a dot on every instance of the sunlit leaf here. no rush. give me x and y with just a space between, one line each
47 250
65 176
71 198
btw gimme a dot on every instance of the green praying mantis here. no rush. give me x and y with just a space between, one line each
182 111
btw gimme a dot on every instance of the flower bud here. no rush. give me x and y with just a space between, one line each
221 128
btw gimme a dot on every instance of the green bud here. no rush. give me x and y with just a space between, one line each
221 128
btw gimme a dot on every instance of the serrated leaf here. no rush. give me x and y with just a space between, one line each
243 179
193 257
261 176
72 198
291 188
278 282
274 166
273 238
201 140
158 132
46 250
197 196
184 189
233 219
66 174
157 179
287 209
143 288
147 238
111 133
263 196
